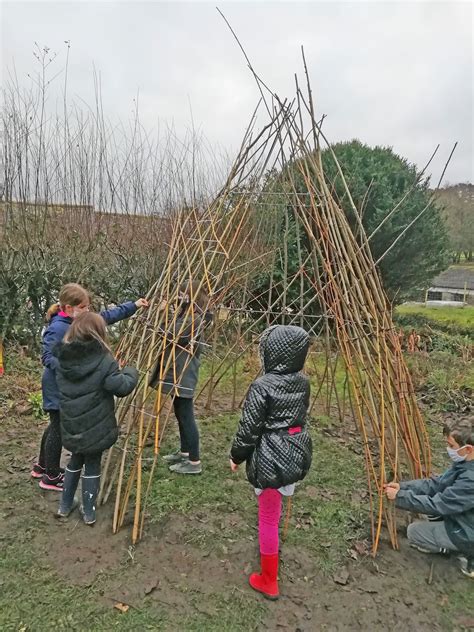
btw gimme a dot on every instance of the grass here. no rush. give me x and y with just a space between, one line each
322 501
329 512
459 316
33 596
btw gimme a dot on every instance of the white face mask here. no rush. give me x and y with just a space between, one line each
454 456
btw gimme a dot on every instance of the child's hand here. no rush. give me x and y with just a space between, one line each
142 302
391 490
233 466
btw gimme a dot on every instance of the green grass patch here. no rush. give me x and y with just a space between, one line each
324 520
460 318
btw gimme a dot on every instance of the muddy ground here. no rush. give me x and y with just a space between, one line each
190 570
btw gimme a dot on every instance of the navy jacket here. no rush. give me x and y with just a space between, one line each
450 496
54 334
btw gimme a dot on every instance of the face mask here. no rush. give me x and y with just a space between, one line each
454 456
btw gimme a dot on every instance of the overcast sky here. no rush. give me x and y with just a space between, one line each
388 73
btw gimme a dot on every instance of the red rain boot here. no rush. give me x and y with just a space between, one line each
266 582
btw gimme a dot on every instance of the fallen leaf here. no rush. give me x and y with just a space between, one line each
361 547
444 600
121 606
149 588
341 577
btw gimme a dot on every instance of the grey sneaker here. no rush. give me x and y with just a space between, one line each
467 566
175 457
186 467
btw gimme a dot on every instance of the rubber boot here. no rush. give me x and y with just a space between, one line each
68 502
266 582
90 490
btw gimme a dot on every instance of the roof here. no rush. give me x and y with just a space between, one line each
456 277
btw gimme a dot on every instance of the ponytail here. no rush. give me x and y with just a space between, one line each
52 311
70 294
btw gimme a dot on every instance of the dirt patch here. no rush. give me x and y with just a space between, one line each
169 572
389 593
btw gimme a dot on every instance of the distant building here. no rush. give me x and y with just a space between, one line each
455 285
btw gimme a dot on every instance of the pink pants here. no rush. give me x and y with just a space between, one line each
269 512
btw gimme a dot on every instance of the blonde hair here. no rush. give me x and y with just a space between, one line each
88 326
70 294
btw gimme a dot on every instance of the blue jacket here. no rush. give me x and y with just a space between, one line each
450 496
54 334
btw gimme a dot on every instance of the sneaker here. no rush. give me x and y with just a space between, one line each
54 483
186 467
175 457
467 566
37 471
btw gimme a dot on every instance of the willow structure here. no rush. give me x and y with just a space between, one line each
235 246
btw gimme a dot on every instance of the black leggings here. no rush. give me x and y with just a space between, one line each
51 445
91 463
188 430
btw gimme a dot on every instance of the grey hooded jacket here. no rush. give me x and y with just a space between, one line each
450 496
276 402
181 357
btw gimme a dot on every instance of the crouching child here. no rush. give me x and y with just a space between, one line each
449 499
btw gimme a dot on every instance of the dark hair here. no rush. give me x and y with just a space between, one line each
70 294
462 430
88 326
197 295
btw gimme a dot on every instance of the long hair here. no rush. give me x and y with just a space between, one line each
86 327
194 295
70 294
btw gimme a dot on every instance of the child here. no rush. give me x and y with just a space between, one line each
73 300
450 496
88 377
273 440
182 373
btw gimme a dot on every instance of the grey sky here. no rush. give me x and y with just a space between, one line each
396 73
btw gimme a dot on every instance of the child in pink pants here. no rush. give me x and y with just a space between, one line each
273 440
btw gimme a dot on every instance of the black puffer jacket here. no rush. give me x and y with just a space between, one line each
88 377
276 401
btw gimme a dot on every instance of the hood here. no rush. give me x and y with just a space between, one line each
78 359
283 349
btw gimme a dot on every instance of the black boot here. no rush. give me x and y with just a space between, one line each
68 502
90 491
